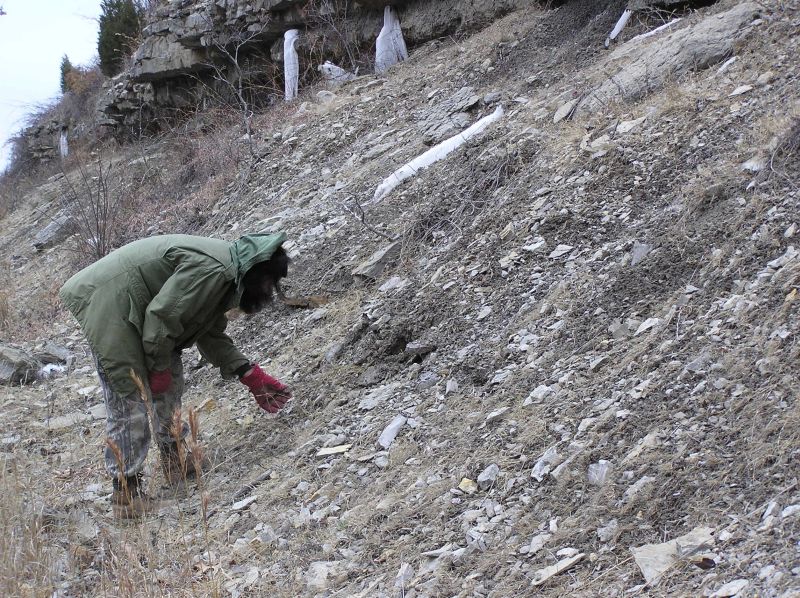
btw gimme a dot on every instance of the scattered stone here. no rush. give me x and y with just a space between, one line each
599 472
56 231
542 575
609 531
546 463
765 78
98 411
790 510
484 312
16 366
65 421
741 90
538 542
634 490
390 432
598 362
732 588
419 348
565 111
468 486
496 415
371 269
395 283
487 477
560 251
639 252
334 450
52 353
322 574
627 126
655 559
404 575
244 503
647 325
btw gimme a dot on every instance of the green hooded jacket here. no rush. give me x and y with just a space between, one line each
142 302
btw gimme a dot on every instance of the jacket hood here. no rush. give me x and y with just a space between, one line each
252 249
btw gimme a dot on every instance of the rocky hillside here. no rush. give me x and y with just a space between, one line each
562 360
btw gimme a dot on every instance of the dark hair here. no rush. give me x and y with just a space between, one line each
260 280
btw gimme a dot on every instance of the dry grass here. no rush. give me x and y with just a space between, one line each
27 565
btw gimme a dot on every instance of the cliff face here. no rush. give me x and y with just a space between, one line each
188 46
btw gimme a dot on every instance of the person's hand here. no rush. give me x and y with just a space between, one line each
270 394
159 381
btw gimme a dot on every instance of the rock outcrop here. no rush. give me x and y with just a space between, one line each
189 47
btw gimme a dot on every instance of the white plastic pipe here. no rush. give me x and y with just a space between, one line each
623 20
291 64
433 155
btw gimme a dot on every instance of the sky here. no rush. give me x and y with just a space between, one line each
34 35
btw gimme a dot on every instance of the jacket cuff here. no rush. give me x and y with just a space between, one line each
242 370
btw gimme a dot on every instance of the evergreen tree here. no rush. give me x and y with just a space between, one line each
66 69
120 24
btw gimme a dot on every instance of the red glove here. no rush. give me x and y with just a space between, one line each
159 381
270 394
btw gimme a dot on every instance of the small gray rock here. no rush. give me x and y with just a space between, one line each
488 476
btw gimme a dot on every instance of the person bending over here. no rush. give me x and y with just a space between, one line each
139 307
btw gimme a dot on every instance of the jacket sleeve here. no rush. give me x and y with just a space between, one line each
218 348
191 294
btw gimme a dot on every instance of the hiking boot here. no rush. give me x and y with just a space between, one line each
129 501
179 466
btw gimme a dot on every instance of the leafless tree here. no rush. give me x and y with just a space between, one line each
332 18
230 44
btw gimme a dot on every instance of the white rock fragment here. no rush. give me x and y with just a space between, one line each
538 542
65 421
484 312
404 575
599 472
538 394
647 325
636 488
496 415
790 510
608 531
333 74
542 575
546 463
655 559
244 503
627 126
321 574
560 251
740 90
433 155
334 450
732 588
390 432
564 111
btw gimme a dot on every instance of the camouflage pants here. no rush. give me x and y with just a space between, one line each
128 422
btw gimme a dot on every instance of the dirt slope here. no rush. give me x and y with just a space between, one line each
603 308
